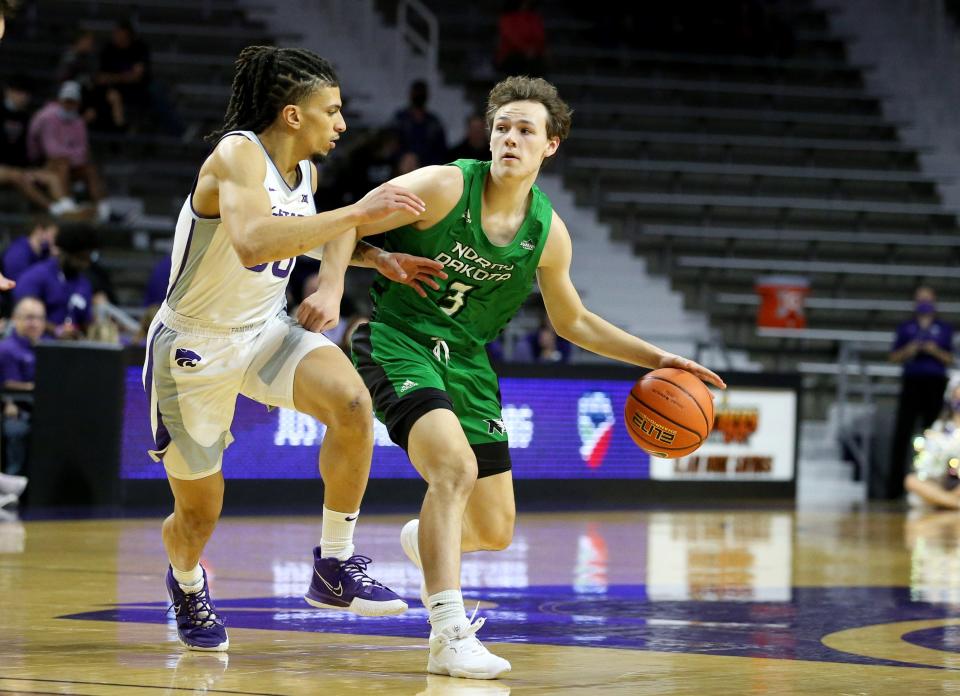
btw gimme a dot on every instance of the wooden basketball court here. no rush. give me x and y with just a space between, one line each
674 602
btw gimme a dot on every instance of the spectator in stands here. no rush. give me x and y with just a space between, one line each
421 132
476 144
42 188
521 40
27 250
936 476
57 137
125 67
546 346
101 105
61 284
79 61
17 370
370 164
924 345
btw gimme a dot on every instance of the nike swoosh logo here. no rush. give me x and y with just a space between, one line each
351 519
337 591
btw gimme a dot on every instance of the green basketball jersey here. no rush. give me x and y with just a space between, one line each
486 283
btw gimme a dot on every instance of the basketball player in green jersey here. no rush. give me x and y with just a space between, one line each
423 357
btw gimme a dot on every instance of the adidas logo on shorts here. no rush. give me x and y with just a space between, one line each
406 386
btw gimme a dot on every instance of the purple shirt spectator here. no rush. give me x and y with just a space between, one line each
63 297
19 256
18 363
56 133
924 364
157 285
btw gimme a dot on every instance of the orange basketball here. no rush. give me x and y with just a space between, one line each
669 412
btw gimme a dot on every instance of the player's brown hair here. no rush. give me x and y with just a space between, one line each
523 88
268 78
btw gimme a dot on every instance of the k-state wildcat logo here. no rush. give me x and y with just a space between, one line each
186 358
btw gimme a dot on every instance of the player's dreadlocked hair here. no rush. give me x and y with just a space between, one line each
267 79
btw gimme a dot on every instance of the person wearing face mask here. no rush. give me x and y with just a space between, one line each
61 283
39 186
57 137
935 479
924 346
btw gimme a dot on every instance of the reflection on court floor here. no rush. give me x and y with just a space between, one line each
660 602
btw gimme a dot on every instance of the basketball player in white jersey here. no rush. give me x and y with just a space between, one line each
223 331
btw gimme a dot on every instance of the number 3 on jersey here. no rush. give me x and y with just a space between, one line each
456 296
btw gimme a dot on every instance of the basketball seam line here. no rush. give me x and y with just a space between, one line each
692 397
669 420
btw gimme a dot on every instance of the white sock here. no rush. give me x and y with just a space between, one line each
336 536
190 581
446 609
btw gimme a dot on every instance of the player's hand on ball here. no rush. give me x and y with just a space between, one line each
410 270
319 311
385 200
671 360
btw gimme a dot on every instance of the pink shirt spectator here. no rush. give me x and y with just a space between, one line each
58 134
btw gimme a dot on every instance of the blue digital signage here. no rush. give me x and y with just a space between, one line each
559 428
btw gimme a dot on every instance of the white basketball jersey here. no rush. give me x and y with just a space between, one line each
207 280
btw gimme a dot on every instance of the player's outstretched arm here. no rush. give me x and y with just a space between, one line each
237 169
577 324
406 269
321 310
439 187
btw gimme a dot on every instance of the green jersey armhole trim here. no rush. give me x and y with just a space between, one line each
542 242
455 212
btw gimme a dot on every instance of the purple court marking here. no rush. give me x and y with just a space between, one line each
620 617
946 638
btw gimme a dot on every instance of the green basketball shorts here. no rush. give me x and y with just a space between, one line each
408 378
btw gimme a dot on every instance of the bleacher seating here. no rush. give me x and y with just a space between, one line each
193 47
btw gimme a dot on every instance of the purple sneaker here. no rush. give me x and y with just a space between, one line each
345 585
199 627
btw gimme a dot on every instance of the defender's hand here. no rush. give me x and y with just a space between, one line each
6 283
320 311
410 270
671 360
385 200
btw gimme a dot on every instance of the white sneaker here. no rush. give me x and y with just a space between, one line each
13 485
456 651
7 499
63 206
410 542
